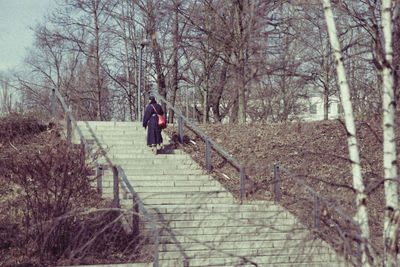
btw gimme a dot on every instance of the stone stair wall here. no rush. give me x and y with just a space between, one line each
201 223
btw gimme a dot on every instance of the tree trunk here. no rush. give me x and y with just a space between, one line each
217 93
241 83
205 107
234 111
176 47
151 29
396 52
131 99
362 213
99 114
391 223
326 84
326 104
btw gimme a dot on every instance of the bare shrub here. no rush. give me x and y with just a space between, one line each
51 213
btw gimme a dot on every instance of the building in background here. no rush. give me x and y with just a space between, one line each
311 108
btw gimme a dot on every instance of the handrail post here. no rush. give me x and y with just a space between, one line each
180 129
317 211
242 184
156 244
277 189
99 180
83 154
115 188
208 156
53 103
69 125
135 218
139 92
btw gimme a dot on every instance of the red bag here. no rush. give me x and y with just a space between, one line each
162 122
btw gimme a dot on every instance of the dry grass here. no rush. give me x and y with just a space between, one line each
50 214
315 152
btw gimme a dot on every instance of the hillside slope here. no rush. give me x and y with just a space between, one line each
50 213
315 152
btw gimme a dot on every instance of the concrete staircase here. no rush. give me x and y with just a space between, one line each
202 224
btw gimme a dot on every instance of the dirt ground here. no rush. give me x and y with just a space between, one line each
315 153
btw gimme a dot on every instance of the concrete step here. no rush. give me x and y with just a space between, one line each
204 190
187 197
150 156
198 218
195 215
126 201
219 223
109 124
153 199
220 208
149 171
143 153
274 260
110 134
131 146
120 140
246 253
131 160
218 238
176 178
127 150
230 245
157 169
123 149
244 230
170 184
113 131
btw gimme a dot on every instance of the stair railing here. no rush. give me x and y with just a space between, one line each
317 205
137 203
118 171
210 144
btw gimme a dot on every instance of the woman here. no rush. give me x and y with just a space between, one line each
150 121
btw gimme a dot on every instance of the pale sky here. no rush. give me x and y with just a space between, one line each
16 16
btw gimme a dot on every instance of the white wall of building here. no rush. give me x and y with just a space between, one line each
314 109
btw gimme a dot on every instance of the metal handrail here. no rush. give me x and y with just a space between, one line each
72 119
144 211
299 181
209 143
56 93
317 199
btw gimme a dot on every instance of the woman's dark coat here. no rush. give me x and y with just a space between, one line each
150 120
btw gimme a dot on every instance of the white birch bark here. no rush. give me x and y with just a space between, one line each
362 214
389 145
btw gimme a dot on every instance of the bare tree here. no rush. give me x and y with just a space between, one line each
362 214
84 30
6 101
392 213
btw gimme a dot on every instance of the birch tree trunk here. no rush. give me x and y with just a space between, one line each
391 227
362 213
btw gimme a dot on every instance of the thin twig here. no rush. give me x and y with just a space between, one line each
13 146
